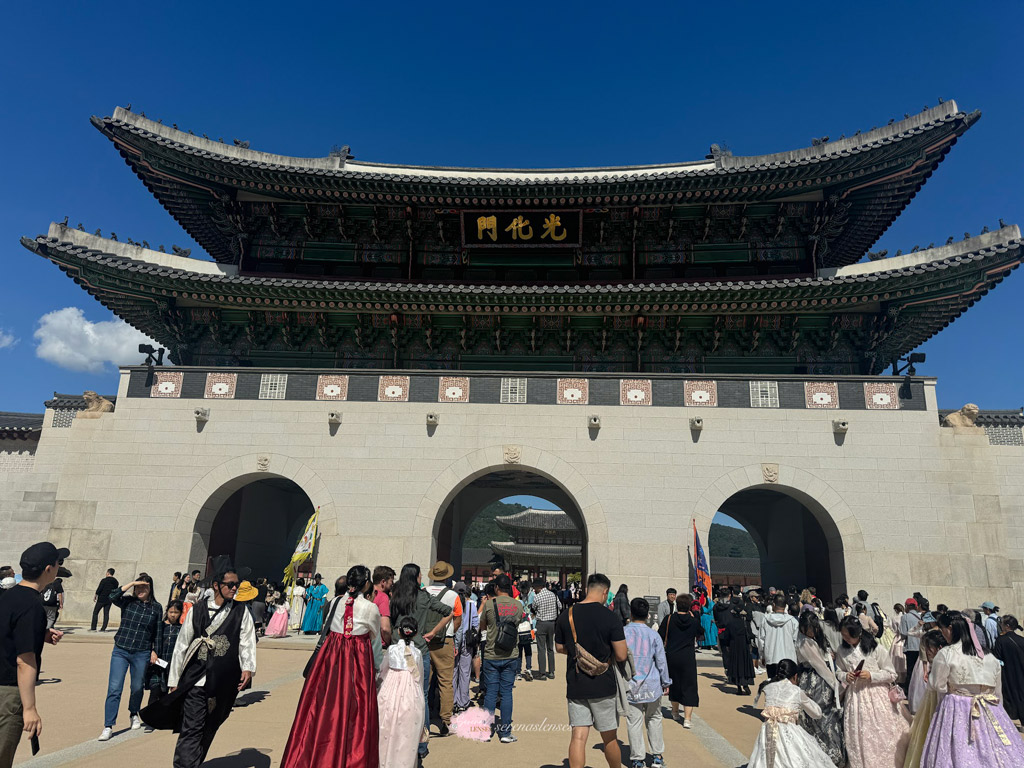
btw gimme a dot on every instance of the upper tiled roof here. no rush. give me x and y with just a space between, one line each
872 175
536 519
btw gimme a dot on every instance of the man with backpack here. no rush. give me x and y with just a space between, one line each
593 639
442 648
500 618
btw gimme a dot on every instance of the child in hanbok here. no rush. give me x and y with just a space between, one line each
782 743
970 727
278 625
400 700
167 636
931 643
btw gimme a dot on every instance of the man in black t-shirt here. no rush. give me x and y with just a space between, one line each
23 631
101 599
592 699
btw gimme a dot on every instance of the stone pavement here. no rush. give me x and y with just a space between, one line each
74 679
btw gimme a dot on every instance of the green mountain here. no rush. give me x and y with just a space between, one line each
724 541
483 530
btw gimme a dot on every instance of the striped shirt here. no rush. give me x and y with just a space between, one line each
546 605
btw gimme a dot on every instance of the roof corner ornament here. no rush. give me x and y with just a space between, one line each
820 141
241 144
877 255
342 153
717 151
183 252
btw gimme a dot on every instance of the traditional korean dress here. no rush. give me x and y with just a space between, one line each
735 642
336 722
313 620
278 625
1009 649
896 652
970 729
296 594
400 707
888 633
782 743
922 721
876 732
707 623
818 680
916 686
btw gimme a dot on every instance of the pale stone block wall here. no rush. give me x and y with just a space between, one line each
910 505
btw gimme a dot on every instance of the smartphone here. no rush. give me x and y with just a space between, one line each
34 741
856 672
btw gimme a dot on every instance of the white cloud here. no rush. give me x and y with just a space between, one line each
7 339
67 339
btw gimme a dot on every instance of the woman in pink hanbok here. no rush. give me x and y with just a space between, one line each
278 625
400 700
876 731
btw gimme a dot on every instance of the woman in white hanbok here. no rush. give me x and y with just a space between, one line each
400 700
783 743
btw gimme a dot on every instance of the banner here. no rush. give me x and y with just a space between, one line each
700 563
303 550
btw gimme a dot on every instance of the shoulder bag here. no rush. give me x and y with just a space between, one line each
586 662
323 636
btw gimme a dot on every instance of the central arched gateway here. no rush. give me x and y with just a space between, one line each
481 492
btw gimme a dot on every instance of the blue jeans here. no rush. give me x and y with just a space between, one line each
120 662
426 699
499 676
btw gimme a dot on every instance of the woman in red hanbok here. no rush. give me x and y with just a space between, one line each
336 724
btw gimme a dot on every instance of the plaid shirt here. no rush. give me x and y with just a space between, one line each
140 622
546 605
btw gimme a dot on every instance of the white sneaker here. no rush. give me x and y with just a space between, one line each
107 733
686 724
136 722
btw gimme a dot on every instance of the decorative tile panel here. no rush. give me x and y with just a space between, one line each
881 396
513 390
573 392
635 392
331 387
393 389
700 393
167 384
821 394
453 389
764 394
273 386
220 386
62 417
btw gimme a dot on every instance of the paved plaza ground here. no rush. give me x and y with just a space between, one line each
74 679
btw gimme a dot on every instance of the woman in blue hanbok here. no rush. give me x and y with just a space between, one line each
316 595
707 623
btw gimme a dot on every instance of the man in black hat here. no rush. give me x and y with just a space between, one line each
22 634
214 658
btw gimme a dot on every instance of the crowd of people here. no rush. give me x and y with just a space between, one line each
398 654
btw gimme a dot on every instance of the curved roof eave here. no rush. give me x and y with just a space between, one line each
335 165
84 247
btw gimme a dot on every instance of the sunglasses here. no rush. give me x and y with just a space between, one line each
230 584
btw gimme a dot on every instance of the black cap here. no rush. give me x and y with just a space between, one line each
40 555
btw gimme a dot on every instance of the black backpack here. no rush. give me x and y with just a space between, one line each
506 636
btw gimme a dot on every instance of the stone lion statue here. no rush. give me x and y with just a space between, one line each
965 417
95 406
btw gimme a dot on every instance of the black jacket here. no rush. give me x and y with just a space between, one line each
107 585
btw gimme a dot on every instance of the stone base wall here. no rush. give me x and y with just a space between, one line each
905 504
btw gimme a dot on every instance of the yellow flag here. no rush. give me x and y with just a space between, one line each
303 549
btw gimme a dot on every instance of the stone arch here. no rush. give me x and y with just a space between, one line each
460 473
840 526
196 514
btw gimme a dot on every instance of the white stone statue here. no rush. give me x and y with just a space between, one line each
95 406
964 418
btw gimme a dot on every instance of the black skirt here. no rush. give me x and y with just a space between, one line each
682 668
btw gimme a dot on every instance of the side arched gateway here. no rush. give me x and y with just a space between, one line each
803 529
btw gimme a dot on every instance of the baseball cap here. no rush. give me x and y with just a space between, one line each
44 553
990 605
910 601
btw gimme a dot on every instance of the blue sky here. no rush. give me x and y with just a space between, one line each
488 85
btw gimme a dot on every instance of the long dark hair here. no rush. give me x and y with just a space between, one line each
934 639
855 630
356 579
406 591
786 669
956 623
149 580
831 617
809 620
